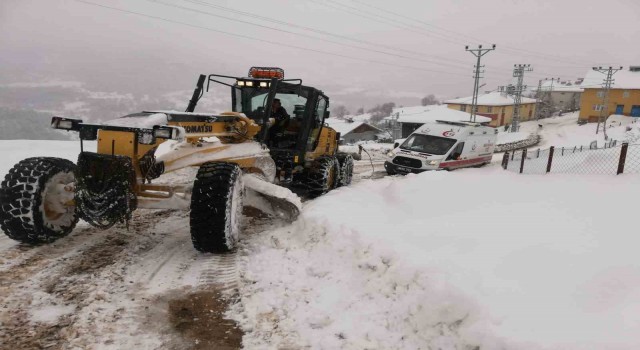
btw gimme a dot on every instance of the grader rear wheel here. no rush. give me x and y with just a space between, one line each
323 176
36 200
346 169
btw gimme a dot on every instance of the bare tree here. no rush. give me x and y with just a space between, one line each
339 111
382 111
360 111
430 100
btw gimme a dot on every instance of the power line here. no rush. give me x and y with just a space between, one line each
267 41
300 34
359 13
264 18
456 41
315 30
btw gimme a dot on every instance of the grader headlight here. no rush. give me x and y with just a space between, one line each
168 132
65 123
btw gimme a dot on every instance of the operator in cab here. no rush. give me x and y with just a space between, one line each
282 120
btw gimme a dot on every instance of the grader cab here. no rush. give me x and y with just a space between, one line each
41 199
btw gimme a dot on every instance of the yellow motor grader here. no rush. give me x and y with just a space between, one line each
42 198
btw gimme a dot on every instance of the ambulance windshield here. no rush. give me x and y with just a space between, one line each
428 144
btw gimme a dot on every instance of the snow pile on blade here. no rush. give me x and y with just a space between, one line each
285 203
139 120
451 260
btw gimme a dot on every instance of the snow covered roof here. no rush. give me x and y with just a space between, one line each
624 79
344 127
490 99
358 118
561 86
424 114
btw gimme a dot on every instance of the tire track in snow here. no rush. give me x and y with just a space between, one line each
220 271
70 276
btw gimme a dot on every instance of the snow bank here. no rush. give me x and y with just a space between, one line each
405 262
510 137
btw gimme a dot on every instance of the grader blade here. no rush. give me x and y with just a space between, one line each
285 204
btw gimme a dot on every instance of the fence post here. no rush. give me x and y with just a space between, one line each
538 156
550 159
505 160
562 151
574 149
513 154
623 158
524 155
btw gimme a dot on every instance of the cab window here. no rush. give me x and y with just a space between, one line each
318 114
457 152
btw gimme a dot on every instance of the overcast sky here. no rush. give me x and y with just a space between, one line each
375 50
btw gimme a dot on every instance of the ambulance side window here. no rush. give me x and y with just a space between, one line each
457 152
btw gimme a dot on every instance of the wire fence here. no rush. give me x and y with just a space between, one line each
610 160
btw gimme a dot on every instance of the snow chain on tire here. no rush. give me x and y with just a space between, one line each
216 207
346 169
26 195
104 190
318 181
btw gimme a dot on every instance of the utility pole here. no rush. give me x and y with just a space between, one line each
543 97
538 99
516 91
479 52
606 85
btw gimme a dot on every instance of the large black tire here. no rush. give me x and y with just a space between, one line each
322 177
346 169
33 203
216 207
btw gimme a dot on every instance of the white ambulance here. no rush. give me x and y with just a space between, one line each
443 145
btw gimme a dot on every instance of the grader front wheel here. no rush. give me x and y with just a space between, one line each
216 207
36 200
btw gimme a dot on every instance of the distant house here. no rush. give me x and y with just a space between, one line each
497 106
411 118
563 95
624 96
353 131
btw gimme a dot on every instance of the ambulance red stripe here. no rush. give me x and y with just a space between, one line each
465 162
